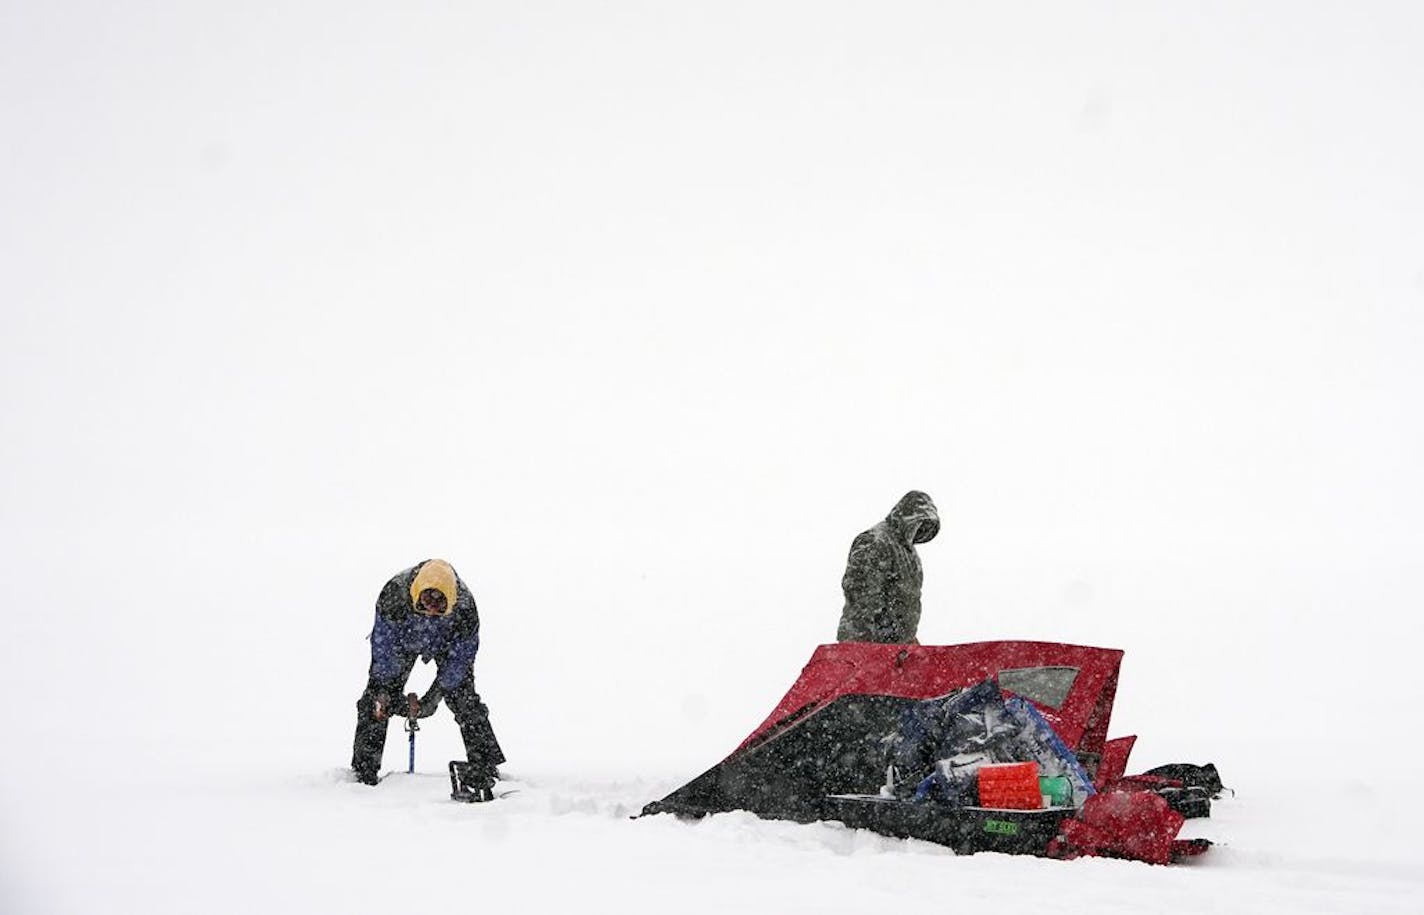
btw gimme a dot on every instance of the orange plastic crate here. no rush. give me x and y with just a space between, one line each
1010 786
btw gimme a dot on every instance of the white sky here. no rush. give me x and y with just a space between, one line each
639 312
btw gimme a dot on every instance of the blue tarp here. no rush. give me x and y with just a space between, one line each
940 744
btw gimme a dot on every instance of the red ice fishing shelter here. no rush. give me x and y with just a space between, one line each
820 754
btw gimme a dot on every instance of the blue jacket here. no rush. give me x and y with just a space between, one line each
400 635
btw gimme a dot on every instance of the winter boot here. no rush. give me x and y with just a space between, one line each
471 782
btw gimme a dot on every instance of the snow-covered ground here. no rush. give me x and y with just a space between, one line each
197 763
270 829
638 313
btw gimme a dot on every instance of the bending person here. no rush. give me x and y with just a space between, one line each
424 612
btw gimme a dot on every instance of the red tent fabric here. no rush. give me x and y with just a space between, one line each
927 671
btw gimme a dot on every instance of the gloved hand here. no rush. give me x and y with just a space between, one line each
382 709
427 704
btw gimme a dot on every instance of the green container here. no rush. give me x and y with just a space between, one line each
1057 789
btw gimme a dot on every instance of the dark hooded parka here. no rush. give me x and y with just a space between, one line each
883 575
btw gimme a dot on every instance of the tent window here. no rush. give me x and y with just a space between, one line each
1045 685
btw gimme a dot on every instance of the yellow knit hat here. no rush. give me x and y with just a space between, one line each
437 574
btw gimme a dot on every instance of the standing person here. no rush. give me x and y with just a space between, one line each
883 575
426 612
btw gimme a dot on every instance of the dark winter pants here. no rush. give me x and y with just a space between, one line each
481 746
